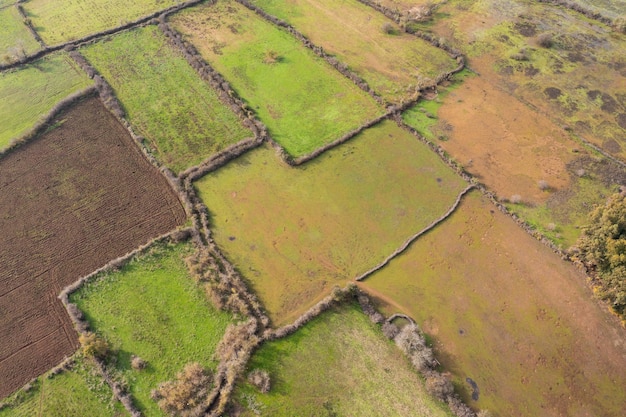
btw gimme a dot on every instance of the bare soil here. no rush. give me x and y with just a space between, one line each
71 200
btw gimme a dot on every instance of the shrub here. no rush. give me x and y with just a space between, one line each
543 185
619 24
439 386
603 249
545 40
411 341
186 395
260 379
388 28
137 363
484 413
94 345
516 199
522 55
271 57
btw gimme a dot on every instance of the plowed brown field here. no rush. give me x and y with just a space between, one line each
70 201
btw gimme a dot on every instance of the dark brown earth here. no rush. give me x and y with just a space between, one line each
70 201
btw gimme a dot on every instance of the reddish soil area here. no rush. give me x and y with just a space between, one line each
70 201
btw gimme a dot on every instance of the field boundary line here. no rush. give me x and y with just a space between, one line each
215 80
69 45
29 24
44 121
411 239
597 16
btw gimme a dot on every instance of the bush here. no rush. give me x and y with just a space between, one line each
603 249
543 185
619 24
388 28
439 386
260 379
93 345
545 40
186 395
411 341
137 363
516 199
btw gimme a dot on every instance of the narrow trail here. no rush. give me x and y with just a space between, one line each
411 239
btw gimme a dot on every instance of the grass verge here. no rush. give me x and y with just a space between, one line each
77 392
180 115
393 63
30 92
67 20
303 101
295 232
338 364
152 308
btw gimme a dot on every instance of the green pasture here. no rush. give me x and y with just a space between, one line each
339 364
499 308
30 92
68 20
578 80
296 232
16 40
180 115
78 392
393 64
304 102
153 309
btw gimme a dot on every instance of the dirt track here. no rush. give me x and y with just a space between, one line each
70 201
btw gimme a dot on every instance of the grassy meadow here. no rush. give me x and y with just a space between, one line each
271 70
296 232
15 38
67 20
356 372
153 309
77 392
393 64
30 92
505 312
180 115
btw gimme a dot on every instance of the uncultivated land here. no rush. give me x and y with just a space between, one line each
92 197
271 70
395 64
31 92
511 316
339 364
518 152
180 115
15 38
295 232
153 309
77 392
66 20
578 78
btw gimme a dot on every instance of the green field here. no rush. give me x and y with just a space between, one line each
30 92
303 101
340 364
79 392
295 232
180 115
511 315
153 309
67 20
394 65
15 38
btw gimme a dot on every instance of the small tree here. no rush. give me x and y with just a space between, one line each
94 345
603 249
